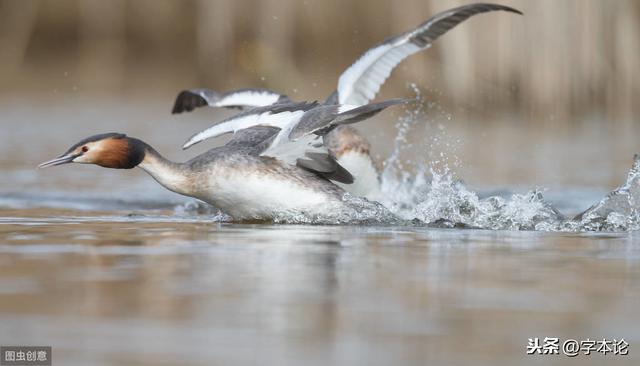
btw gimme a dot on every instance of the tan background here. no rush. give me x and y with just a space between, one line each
563 58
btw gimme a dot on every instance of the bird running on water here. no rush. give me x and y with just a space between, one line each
357 85
262 173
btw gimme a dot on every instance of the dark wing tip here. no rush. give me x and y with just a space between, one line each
187 100
513 10
491 7
485 7
368 110
442 22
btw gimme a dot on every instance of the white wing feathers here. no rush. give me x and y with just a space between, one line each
280 120
305 136
248 98
359 83
289 151
278 115
188 100
362 80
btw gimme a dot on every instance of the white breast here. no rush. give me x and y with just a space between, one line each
366 182
263 196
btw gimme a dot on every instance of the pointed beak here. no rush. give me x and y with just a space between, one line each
64 159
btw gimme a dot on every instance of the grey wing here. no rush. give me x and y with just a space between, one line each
277 115
188 100
316 159
362 80
325 165
305 146
322 120
313 157
309 152
314 119
253 139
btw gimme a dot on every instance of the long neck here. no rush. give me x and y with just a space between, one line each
170 175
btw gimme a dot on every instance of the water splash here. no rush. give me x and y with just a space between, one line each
618 211
355 210
450 201
197 208
401 189
434 196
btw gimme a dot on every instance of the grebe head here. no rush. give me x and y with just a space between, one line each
109 150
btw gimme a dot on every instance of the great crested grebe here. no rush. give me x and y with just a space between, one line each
262 173
357 85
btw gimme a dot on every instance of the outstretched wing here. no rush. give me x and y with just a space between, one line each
188 100
277 115
302 143
315 122
362 80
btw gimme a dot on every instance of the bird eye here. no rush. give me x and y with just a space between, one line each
85 149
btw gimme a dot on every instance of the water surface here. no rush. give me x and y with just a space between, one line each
110 269
109 288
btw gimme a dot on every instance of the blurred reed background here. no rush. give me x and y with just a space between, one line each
564 60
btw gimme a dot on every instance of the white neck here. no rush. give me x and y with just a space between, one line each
169 174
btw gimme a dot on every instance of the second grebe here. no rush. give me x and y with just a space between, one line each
357 85
260 173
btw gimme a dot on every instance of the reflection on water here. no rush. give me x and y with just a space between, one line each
102 266
107 288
